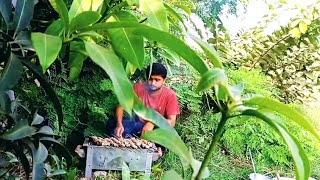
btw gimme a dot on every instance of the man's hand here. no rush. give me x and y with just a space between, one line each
119 130
147 127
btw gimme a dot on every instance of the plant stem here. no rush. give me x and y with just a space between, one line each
216 137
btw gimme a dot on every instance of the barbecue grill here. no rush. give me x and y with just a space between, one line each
110 153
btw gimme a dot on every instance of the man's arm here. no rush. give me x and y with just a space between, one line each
172 120
119 115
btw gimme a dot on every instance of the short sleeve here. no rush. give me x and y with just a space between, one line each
172 107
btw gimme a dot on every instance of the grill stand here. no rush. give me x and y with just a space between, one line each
111 158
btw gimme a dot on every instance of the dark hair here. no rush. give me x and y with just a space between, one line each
157 69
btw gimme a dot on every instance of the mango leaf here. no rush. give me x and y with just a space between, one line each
174 14
130 69
60 7
112 65
273 105
37 119
55 28
126 45
170 55
39 155
125 171
132 2
5 104
174 143
78 6
196 167
47 88
172 174
77 56
60 149
6 9
300 159
45 130
151 115
303 27
47 48
167 39
19 131
156 13
184 8
23 14
209 51
84 19
11 74
212 77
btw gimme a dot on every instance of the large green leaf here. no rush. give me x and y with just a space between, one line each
211 78
172 174
39 155
5 9
60 149
60 7
47 88
125 171
156 13
22 14
11 74
209 51
19 131
78 6
47 48
112 65
175 15
174 143
300 159
170 55
151 115
124 43
167 39
84 19
76 59
270 104
55 28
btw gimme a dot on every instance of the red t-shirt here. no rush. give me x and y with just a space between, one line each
165 102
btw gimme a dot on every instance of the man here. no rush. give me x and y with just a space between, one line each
154 94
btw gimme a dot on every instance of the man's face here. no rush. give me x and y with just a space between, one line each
155 82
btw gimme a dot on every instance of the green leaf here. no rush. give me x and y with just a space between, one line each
47 88
76 59
5 104
303 27
174 14
41 154
184 8
23 14
55 28
212 77
174 143
60 7
60 149
130 69
209 51
151 115
196 167
172 174
45 130
19 131
11 74
156 13
84 19
47 48
300 159
125 44
6 9
273 105
78 6
165 38
125 171
37 119
170 55
295 32
112 65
